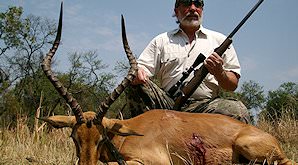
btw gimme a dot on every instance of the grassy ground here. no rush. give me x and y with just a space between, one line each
21 146
286 131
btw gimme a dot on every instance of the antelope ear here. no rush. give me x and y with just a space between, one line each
118 128
60 121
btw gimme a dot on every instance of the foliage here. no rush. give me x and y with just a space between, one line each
252 94
122 67
24 98
24 42
10 27
285 97
87 81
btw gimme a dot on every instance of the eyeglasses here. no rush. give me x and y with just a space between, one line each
197 3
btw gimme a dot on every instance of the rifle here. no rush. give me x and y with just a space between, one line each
188 89
175 87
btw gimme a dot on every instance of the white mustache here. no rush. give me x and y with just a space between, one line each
191 14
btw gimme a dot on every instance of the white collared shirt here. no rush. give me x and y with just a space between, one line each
169 54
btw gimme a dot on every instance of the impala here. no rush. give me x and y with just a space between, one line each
158 137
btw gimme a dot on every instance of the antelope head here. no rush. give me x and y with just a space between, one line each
89 129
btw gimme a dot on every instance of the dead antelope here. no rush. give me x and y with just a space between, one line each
159 137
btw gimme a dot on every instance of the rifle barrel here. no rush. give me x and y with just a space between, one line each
245 18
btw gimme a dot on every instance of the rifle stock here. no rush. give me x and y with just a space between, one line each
199 76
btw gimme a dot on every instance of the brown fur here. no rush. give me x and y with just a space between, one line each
166 135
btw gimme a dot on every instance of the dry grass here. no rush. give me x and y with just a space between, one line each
285 130
21 146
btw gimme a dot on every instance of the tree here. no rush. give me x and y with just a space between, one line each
87 80
252 95
23 41
10 25
285 98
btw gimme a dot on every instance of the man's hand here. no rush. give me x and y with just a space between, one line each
214 64
226 79
141 78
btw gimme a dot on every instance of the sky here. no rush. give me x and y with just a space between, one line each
266 45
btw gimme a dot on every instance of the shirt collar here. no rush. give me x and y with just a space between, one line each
201 30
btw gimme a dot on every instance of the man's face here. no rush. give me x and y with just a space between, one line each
189 14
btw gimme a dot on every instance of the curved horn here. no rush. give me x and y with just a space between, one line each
46 67
104 106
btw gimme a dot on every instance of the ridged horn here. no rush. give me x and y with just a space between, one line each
104 106
46 67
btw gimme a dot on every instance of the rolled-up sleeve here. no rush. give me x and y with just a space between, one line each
231 61
149 58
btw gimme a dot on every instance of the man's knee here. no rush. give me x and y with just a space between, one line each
230 107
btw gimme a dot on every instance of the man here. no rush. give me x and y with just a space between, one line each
170 54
